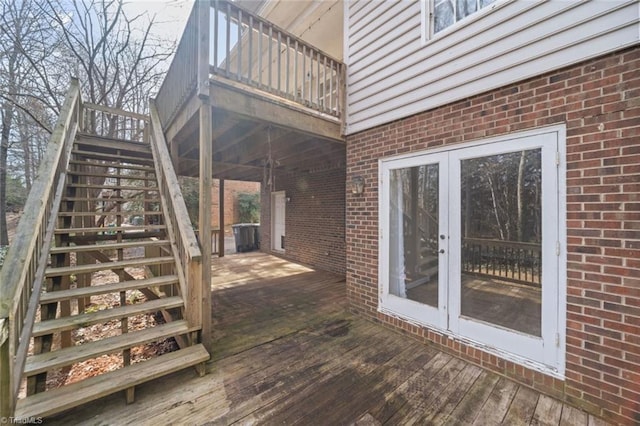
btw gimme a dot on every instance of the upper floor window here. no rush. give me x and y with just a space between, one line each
448 12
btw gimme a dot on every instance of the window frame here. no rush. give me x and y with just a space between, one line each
427 8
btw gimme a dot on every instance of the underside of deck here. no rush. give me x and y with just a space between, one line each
253 133
286 350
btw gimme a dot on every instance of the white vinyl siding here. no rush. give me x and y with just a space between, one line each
394 73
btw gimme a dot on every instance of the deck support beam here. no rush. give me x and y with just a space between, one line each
206 160
205 219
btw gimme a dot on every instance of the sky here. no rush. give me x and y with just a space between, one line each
171 15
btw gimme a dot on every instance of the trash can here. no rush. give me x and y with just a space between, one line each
256 233
246 236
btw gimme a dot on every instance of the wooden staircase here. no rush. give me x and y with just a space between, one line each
115 282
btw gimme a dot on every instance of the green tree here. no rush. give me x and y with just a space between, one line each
249 207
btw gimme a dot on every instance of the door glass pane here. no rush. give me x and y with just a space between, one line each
413 233
501 238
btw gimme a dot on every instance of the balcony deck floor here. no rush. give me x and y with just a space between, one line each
287 351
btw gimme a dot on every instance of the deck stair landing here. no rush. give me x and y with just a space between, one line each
111 274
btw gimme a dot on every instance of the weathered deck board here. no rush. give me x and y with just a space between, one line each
496 406
289 352
522 407
468 408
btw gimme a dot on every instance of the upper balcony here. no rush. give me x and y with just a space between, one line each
275 98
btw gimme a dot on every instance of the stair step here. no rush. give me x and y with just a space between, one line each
83 320
110 213
43 362
143 159
93 238
109 246
108 175
113 199
107 229
57 400
113 165
113 187
93 142
95 267
75 293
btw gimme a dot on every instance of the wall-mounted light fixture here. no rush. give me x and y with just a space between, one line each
287 199
357 185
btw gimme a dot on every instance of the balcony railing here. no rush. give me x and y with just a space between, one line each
508 260
248 49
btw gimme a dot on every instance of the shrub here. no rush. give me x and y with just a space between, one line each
249 207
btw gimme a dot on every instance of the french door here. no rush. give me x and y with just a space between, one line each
469 244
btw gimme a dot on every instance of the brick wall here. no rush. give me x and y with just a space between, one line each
231 190
599 101
314 219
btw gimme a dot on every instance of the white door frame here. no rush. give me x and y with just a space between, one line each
547 353
274 215
514 342
424 314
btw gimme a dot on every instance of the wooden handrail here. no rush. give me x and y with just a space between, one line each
255 52
22 275
114 111
113 123
179 227
502 243
182 77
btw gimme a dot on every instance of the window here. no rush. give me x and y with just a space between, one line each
467 250
442 14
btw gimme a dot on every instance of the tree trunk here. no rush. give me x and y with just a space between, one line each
520 190
7 118
495 206
26 149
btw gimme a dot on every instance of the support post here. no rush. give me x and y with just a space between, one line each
221 220
205 218
206 161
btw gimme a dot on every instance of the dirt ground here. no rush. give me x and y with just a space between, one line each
105 363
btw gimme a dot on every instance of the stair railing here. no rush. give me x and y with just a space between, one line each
114 123
179 228
182 77
22 275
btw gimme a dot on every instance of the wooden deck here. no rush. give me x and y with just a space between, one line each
288 352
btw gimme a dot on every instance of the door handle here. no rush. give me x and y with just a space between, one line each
441 251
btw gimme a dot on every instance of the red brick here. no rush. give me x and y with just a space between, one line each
598 101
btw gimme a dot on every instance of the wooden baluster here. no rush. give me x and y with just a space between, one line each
318 79
216 28
269 85
227 52
304 71
260 35
279 60
250 70
288 67
295 72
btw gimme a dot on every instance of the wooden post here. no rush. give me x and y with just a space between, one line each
205 218
7 399
221 220
206 161
175 156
